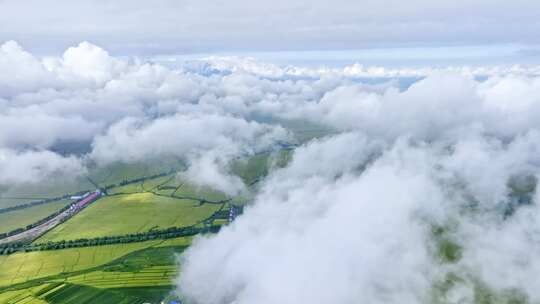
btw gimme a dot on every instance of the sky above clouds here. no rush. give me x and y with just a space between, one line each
189 26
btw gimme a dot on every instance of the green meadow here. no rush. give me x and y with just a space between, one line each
122 272
130 213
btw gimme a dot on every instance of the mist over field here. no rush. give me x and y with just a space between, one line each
421 190
424 195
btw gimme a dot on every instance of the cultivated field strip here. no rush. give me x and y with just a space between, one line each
18 268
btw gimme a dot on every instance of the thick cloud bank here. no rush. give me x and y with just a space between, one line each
352 220
120 110
425 195
128 110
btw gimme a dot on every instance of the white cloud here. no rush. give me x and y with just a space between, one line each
85 65
326 239
207 142
21 70
128 110
34 166
318 233
183 135
210 170
41 130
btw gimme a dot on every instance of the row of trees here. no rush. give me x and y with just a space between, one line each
172 232
137 180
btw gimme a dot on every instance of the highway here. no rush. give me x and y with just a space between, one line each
33 233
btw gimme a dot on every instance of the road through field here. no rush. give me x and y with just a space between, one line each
33 233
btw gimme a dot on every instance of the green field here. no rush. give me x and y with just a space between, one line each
183 188
13 195
256 167
118 172
136 272
125 272
60 293
25 296
130 213
24 267
149 185
20 218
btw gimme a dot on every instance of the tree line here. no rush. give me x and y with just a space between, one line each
168 233
137 180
